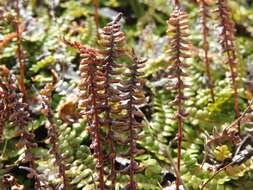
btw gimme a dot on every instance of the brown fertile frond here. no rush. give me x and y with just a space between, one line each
5 89
91 100
178 24
46 95
20 53
132 97
18 115
112 41
205 30
227 41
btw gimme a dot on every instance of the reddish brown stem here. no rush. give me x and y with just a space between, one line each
19 53
179 117
95 124
112 153
98 140
179 44
96 6
132 147
228 48
205 29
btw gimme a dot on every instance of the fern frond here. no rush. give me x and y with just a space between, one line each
91 85
112 41
132 98
19 116
178 25
46 95
205 31
227 41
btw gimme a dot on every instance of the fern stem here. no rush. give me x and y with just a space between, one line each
19 53
96 15
179 45
46 94
228 47
205 29
98 141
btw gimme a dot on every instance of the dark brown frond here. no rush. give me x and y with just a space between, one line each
131 99
227 41
46 95
92 98
178 24
112 41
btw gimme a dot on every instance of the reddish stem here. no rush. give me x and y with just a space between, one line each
19 54
180 94
98 147
230 54
112 153
96 6
132 147
206 46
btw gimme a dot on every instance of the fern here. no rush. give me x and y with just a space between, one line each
178 23
228 46
111 41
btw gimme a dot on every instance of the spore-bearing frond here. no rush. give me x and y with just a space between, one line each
46 94
17 114
204 13
91 101
227 42
131 99
178 24
112 41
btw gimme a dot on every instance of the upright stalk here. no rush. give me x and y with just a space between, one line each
227 41
20 53
205 31
132 97
112 40
46 94
178 23
96 15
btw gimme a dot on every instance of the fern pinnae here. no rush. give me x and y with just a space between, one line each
133 97
92 82
178 24
112 40
19 117
228 46
46 95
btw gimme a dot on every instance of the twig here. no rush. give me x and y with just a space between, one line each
216 173
94 181
167 154
238 120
